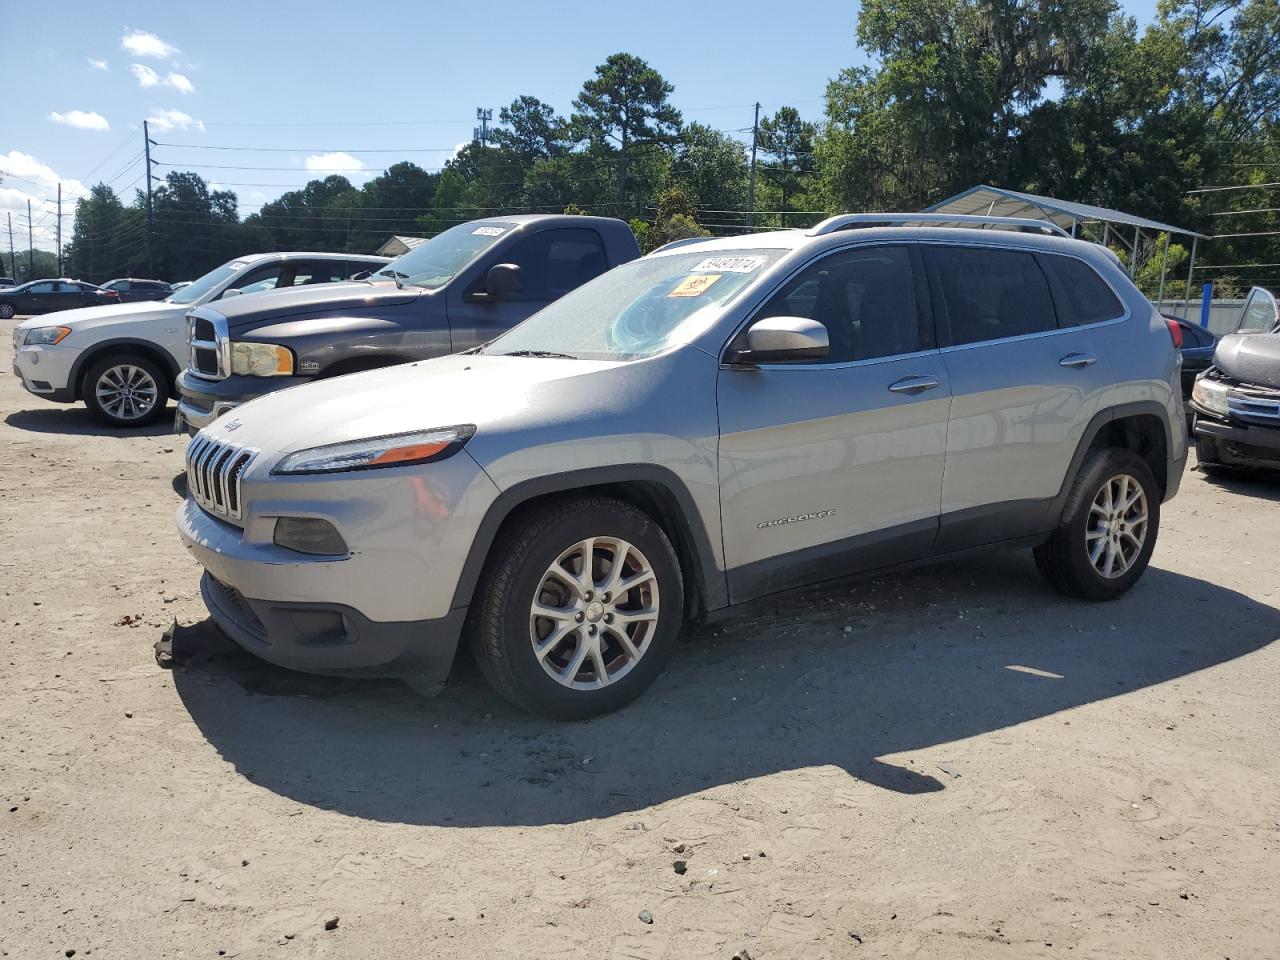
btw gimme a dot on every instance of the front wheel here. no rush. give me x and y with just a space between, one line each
7 311
579 607
125 390
1107 529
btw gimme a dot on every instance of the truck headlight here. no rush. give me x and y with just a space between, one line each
261 360
397 450
1210 394
46 335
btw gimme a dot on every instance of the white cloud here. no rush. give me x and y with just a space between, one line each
334 163
174 120
179 83
27 179
146 76
81 119
98 64
143 44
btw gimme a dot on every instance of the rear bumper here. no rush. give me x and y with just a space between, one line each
336 640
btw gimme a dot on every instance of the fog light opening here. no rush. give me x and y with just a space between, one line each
309 535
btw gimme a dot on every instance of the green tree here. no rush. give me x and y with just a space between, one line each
531 130
626 106
105 235
711 167
787 141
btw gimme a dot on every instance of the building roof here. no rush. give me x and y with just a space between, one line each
399 245
999 202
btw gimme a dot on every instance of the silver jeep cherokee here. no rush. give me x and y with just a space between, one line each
688 432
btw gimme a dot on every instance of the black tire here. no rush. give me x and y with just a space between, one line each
500 622
1064 558
100 368
7 312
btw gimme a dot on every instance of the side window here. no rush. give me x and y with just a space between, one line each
1089 298
553 262
43 288
264 278
990 294
65 287
1259 313
866 298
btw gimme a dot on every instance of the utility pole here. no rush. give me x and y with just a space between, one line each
13 263
59 228
751 184
31 246
481 133
151 220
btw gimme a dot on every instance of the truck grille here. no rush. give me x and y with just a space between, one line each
214 471
1257 406
208 346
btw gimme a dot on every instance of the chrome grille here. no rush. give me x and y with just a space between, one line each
208 347
214 472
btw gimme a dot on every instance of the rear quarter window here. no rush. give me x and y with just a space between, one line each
1089 298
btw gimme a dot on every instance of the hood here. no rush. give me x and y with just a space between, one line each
443 392
84 318
311 299
1250 358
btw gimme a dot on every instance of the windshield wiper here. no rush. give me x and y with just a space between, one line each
394 275
539 353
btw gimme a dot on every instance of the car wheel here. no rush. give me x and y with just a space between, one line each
579 607
6 311
125 390
1107 529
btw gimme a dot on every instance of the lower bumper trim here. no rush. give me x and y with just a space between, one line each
334 639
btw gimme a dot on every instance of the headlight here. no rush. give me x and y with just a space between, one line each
397 450
1210 394
46 335
261 360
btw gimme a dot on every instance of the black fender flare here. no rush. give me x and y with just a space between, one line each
148 347
678 507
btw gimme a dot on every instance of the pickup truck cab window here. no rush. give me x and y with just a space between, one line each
553 262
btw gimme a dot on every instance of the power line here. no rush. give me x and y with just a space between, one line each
210 146
1247 186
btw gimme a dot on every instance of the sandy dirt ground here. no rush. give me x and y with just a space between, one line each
954 762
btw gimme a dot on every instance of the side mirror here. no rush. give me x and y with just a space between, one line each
781 340
503 279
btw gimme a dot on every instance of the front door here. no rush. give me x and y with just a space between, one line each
834 466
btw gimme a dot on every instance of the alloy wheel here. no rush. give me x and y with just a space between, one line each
126 391
595 613
1117 528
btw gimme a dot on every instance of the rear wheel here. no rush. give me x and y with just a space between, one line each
125 390
579 608
7 311
1107 530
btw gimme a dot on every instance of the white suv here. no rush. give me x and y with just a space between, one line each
122 359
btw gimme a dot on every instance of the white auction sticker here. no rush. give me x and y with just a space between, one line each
489 231
729 264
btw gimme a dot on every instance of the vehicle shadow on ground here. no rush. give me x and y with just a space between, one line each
841 675
75 421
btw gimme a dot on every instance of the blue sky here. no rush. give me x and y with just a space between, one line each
326 85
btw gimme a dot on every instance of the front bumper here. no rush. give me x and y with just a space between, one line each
46 371
204 401
1238 444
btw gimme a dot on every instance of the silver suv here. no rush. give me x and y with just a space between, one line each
688 432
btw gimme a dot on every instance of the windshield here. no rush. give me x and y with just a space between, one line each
639 308
197 289
434 263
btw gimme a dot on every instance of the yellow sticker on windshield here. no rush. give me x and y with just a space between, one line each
694 286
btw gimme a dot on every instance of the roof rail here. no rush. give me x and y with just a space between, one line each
850 221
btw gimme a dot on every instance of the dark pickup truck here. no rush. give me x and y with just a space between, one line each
460 289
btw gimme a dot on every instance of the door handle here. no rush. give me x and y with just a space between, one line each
1078 361
914 385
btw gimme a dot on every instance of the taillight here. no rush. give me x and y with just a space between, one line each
109 294
1175 331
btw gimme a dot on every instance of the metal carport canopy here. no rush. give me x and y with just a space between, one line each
985 200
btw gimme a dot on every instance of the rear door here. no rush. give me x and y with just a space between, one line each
1022 380
552 262
833 466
